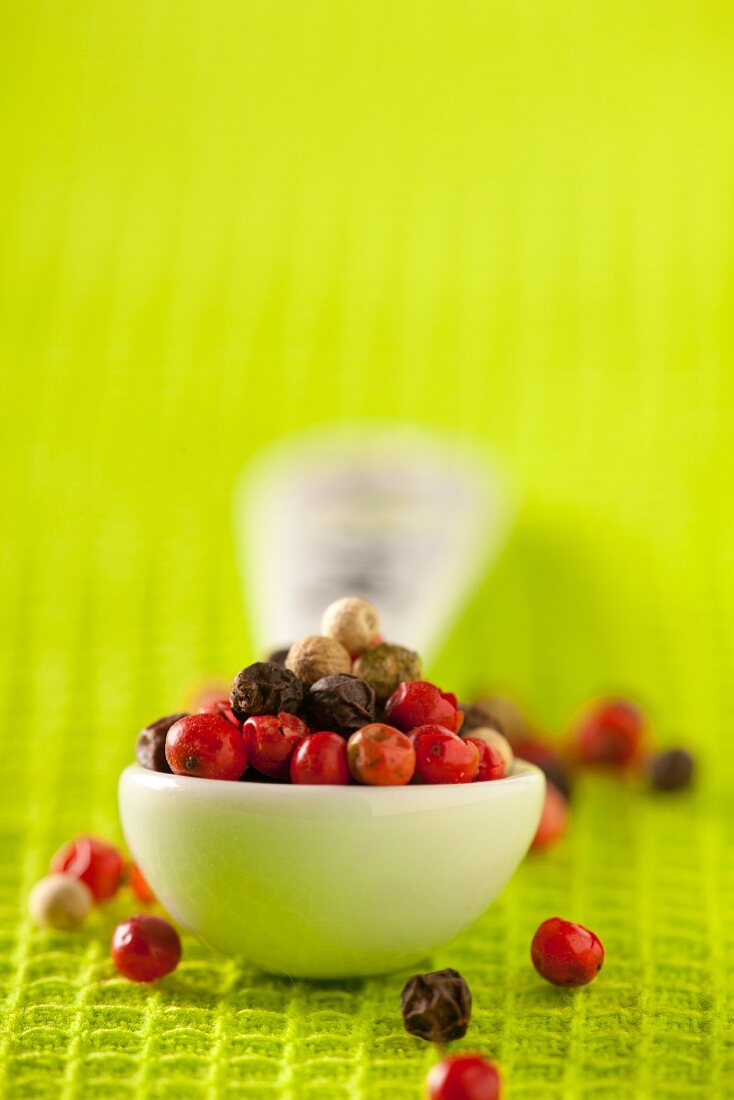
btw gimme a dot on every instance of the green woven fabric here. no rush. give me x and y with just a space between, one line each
223 221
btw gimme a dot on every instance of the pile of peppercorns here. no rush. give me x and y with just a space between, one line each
337 707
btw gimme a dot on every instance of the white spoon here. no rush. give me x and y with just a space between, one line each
386 511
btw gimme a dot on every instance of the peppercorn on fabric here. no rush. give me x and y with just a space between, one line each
508 221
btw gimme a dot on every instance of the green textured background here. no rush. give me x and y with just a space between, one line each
512 219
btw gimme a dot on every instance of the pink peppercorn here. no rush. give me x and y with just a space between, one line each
553 819
491 760
94 862
464 1077
565 953
321 758
271 741
611 734
419 703
145 948
207 746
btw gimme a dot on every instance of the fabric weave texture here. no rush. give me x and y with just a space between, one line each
510 221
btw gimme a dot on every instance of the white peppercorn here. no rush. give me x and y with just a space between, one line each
352 621
315 656
60 901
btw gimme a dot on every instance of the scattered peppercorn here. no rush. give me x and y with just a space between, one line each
384 666
60 901
145 948
610 733
94 862
139 884
464 1077
316 656
557 772
672 770
352 621
150 749
553 819
565 953
340 703
265 688
436 1006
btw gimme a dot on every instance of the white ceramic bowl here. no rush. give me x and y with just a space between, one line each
327 882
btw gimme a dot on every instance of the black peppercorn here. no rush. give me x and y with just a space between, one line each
437 1006
546 757
556 771
672 770
150 748
505 710
278 656
341 703
265 688
477 716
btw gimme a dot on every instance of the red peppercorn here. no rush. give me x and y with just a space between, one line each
207 746
611 733
464 1077
553 819
145 948
491 760
565 953
442 757
418 703
271 741
222 708
321 758
139 884
94 862
381 756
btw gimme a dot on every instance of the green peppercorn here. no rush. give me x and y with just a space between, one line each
384 666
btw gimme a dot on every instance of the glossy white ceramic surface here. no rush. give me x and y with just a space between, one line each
326 882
